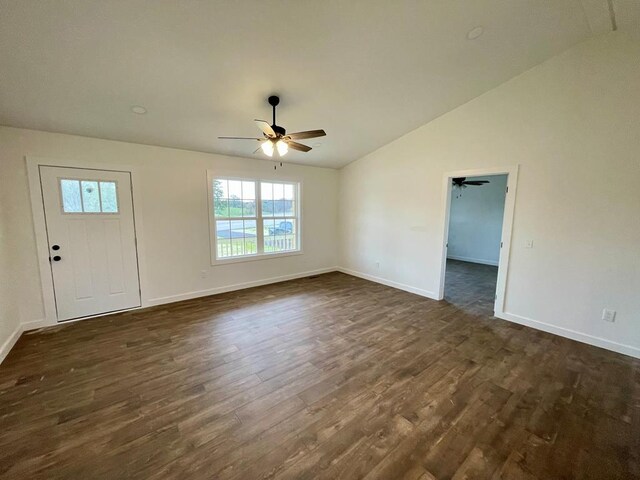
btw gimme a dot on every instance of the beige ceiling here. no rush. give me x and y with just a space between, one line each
366 71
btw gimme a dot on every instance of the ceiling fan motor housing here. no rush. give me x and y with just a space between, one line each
281 132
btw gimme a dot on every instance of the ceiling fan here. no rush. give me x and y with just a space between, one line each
275 137
462 182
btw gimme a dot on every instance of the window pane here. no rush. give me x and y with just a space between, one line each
237 246
289 208
279 207
235 207
278 191
235 189
250 230
71 202
248 190
221 208
237 229
248 208
223 238
108 197
220 195
289 191
251 246
223 229
278 235
90 196
267 191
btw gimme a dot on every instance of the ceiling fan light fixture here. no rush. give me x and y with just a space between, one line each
282 147
267 148
275 137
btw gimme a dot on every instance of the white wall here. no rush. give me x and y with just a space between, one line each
172 185
572 125
9 313
475 221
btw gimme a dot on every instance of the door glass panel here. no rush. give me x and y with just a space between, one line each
109 197
71 202
90 196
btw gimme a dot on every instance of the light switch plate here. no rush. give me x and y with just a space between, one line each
609 315
529 244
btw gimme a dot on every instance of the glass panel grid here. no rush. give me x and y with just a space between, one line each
88 196
71 200
270 214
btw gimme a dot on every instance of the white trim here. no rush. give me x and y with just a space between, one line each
389 283
510 317
237 286
17 333
37 209
507 224
572 334
10 342
482 261
36 324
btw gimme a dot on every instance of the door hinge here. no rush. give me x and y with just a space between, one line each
507 189
501 244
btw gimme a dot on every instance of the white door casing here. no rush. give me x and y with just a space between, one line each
94 266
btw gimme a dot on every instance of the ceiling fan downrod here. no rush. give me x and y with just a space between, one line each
274 100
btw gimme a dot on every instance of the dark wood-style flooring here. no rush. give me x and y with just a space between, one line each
320 378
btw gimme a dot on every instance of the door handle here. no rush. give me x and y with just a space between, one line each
57 258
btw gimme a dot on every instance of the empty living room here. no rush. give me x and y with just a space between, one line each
295 239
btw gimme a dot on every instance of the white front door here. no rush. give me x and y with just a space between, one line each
92 243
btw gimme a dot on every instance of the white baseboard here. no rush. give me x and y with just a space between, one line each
10 342
389 283
35 324
493 263
572 334
15 336
545 327
230 288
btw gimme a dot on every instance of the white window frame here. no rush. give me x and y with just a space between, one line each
261 255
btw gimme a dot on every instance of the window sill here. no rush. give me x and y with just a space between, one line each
253 258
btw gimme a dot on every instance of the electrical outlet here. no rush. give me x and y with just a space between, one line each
377 265
203 274
609 315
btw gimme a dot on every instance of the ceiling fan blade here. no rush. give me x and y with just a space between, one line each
298 146
475 183
240 138
307 134
265 127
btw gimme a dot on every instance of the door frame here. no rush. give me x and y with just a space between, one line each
40 229
507 226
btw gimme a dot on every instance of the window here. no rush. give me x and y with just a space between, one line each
88 196
253 218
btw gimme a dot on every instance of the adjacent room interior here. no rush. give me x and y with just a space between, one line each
319 240
474 240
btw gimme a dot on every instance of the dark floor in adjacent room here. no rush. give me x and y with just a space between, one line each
471 286
326 377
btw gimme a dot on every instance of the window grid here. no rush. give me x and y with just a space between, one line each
254 217
80 196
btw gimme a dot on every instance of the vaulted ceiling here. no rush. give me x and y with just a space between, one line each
367 71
